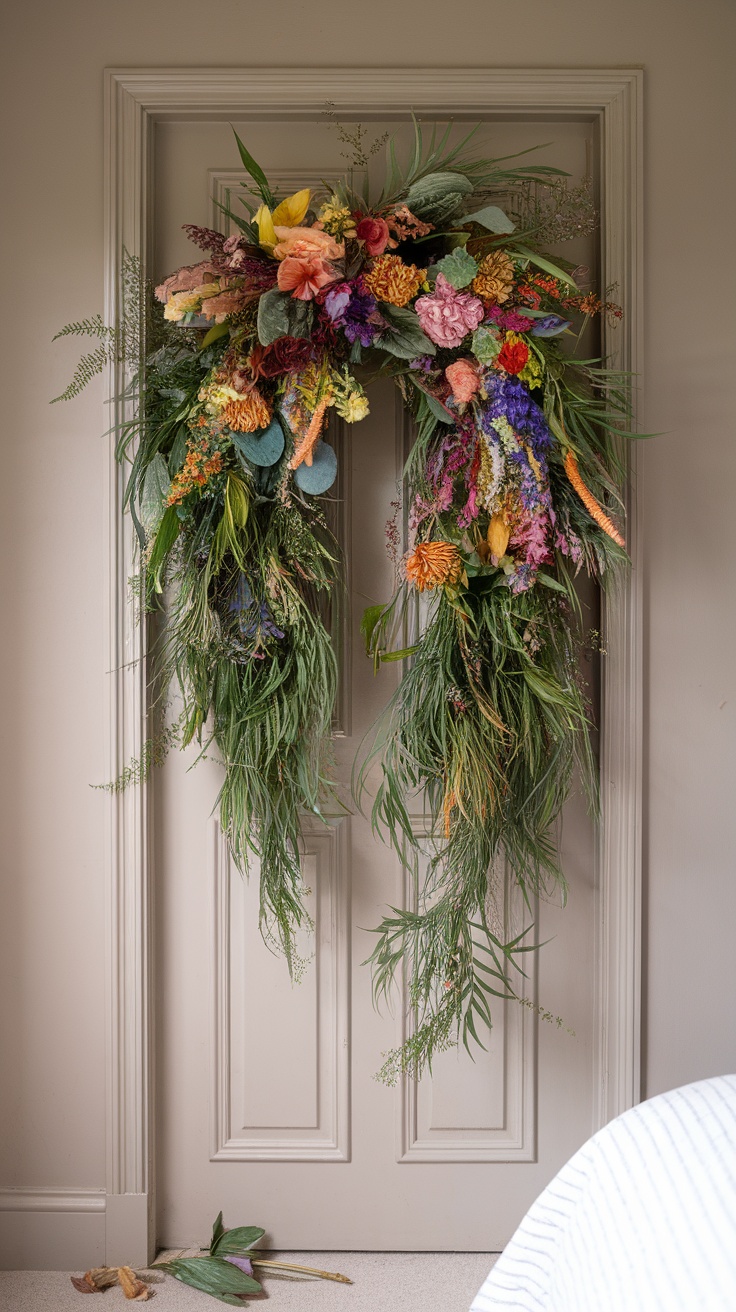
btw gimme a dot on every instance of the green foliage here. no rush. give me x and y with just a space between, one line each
280 314
459 268
405 337
119 343
488 724
213 1275
492 218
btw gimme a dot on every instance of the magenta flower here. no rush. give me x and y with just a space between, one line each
447 316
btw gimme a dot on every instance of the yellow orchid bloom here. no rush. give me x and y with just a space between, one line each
266 232
288 214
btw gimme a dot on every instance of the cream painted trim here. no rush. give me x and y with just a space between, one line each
52 1200
134 100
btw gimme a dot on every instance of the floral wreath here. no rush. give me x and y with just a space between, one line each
512 486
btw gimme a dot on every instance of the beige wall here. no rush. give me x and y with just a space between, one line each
51 958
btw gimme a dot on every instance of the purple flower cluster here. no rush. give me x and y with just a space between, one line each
353 308
508 397
254 618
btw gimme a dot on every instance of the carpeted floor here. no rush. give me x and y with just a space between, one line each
382 1282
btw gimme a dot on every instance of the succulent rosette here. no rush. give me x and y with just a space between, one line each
511 488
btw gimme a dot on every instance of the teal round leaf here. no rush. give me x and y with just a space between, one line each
262 448
321 474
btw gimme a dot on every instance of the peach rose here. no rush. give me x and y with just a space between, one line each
463 379
306 243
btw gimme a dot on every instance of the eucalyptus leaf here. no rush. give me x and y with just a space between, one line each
262 448
321 474
492 218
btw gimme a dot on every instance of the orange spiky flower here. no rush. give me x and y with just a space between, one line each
595 510
304 453
431 564
249 413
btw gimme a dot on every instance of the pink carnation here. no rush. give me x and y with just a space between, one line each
186 279
447 316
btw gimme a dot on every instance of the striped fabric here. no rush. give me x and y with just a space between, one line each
641 1219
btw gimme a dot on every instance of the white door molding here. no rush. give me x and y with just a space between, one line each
135 99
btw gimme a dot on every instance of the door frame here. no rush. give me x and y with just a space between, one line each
135 99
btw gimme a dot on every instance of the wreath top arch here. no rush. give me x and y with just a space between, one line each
443 283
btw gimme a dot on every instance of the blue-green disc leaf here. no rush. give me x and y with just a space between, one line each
321 474
262 448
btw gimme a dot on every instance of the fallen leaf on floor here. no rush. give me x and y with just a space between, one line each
82 1284
131 1286
103 1277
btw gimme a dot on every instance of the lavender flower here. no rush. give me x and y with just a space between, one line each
353 308
509 398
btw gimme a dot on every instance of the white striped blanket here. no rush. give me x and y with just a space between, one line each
641 1219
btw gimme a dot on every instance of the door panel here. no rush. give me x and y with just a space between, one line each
267 1103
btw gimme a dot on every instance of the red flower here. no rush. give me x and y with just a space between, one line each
375 234
512 357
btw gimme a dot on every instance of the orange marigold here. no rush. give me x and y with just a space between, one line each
250 412
392 281
431 564
495 278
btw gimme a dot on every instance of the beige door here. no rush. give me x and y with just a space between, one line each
267 1106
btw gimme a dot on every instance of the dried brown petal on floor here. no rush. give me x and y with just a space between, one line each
131 1286
102 1277
83 1285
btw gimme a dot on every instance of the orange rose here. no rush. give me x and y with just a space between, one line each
463 379
306 243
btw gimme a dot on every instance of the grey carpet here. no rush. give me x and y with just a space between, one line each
383 1282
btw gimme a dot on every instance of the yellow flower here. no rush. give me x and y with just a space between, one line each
498 536
392 281
182 303
531 374
495 277
336 219
432 564
288 214
352 407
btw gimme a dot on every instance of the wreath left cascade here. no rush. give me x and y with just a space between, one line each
512 485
